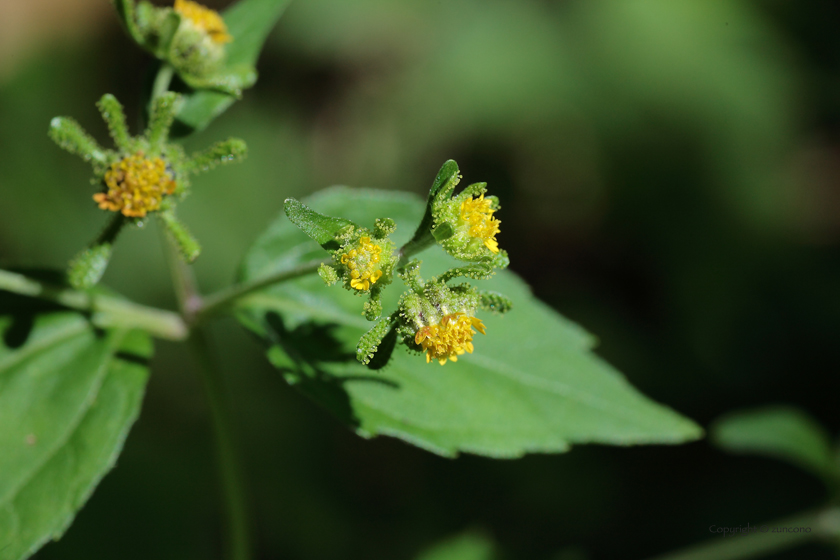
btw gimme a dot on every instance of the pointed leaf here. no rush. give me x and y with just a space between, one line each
532 385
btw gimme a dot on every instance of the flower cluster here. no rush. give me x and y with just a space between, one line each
144 175
432 318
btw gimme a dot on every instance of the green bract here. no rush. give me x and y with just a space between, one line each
143 175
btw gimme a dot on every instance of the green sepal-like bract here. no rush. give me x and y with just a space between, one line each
371 341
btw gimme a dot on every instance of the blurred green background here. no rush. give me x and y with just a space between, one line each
670 179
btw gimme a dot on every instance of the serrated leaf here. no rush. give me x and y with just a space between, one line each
532 385
782 432
249 22
68 395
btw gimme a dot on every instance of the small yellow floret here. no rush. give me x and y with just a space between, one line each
450 338
477 213
205 19
136 186
363 263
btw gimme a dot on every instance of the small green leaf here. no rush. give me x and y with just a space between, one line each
249 22
322 229
469 546
532 385
782 432
68 395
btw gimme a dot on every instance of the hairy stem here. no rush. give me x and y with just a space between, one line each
762 540
223 299
105 310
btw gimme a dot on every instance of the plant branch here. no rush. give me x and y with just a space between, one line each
762 540
215 303
106 311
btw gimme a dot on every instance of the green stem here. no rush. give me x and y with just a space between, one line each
189 300
762 541
238 539
162 81
215 303
106 311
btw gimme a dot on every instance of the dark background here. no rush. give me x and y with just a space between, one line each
670 179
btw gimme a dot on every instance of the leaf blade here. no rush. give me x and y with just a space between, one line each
69 396
516 394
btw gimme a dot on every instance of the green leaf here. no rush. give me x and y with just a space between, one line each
782 432
469 546
249 22
68 395
532 385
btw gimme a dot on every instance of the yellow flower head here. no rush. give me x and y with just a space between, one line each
363 261
477 213
205 19
450 338
136 185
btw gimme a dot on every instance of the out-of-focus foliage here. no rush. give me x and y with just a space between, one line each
781 432
469 546
669 180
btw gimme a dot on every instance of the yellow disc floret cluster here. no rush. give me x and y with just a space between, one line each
363 263
450 338
205 19
477 213
136 186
